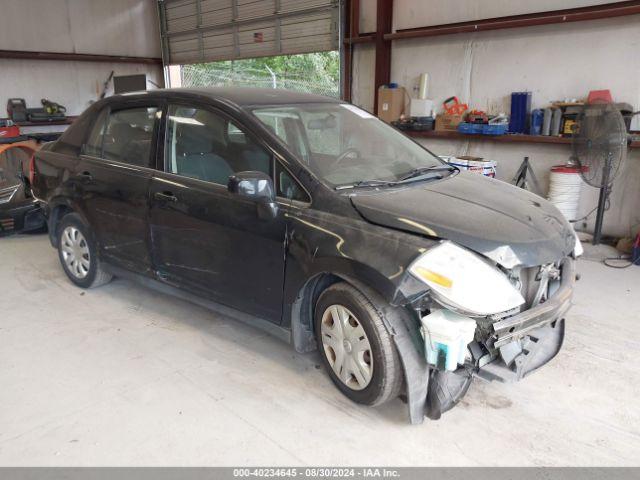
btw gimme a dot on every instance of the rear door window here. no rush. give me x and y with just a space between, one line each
205 145
129 135
93 145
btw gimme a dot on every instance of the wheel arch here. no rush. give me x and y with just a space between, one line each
299 317
399 319
58 209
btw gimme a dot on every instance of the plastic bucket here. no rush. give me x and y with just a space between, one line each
484 167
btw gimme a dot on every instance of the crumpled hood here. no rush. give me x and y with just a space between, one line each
509 225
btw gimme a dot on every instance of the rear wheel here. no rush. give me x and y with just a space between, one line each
355 346
78 254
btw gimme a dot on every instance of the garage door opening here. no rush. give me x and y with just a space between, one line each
290 44
317 73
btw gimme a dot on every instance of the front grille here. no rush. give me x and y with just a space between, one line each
6 224
7 194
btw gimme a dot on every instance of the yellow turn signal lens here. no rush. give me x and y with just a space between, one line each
434 277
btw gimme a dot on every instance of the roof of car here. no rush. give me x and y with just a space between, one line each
242 96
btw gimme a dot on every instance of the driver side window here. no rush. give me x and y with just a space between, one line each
288 187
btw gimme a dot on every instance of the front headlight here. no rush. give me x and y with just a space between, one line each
465 281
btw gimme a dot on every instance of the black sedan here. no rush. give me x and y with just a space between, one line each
320 223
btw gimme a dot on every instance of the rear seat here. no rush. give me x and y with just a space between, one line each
127 144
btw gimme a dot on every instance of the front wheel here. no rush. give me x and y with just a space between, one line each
356 348
78 253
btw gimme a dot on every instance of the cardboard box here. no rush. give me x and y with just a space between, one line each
390 103
446 121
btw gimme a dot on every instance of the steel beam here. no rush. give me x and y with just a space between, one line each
384 13
77 57
346 66
607 10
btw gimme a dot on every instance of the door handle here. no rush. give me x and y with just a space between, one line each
85 176
165 196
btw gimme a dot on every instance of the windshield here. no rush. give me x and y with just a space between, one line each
344 145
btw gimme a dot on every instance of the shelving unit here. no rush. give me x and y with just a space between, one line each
66 121
451 135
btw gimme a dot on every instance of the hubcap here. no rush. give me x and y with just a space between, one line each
346 347
75 252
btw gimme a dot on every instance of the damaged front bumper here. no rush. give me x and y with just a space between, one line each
20 217
521 344
530 339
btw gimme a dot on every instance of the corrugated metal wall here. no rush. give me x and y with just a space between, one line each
196 31
114 27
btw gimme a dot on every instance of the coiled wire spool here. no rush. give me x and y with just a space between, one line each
564 189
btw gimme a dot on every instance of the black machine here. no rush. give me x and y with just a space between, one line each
17 109
416 124
50 111
129 83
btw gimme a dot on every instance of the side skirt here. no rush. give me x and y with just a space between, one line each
264 325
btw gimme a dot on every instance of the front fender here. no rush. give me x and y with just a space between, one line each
374 260
320 242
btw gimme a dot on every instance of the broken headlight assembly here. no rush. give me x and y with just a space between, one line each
465 282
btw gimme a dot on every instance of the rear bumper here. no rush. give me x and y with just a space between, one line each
530 339
24 216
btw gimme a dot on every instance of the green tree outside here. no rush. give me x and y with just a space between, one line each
322 68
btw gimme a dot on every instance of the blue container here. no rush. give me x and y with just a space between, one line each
499 129
520 112
537 119
470 128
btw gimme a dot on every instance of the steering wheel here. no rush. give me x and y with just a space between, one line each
345 154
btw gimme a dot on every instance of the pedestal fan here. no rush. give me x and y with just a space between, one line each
600 148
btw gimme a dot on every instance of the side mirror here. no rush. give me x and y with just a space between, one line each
257 187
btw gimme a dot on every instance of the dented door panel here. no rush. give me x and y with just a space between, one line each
207 240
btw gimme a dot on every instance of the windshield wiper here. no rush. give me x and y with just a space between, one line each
425 171
412 175
366 183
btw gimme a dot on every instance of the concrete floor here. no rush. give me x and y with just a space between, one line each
121 375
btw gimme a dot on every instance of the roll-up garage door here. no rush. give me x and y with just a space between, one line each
197 31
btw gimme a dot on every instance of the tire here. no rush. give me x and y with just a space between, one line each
370 377
76 242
